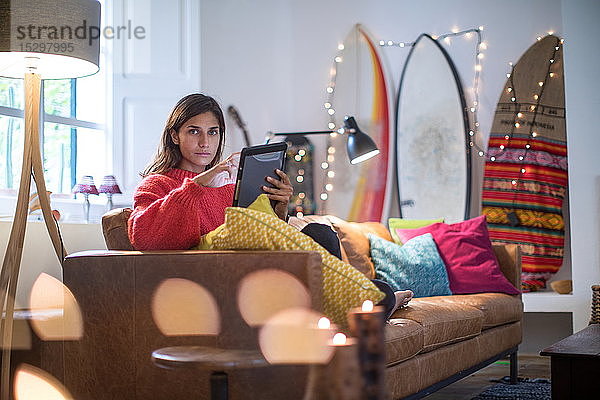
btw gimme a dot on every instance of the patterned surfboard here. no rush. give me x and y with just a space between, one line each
525 176
360 192
433 156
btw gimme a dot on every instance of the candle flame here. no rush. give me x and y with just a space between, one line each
339 338
324 323
367 306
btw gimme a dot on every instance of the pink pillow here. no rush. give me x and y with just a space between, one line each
467 252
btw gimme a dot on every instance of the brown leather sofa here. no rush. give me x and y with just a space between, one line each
430 343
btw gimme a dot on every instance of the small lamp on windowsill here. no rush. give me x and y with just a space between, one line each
86 187
360 146
109 187
40 53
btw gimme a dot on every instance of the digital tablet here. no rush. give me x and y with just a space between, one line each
256 163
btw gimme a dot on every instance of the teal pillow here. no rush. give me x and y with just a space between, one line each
416 265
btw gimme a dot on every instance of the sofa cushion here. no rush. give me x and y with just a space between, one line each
499 338
405 223
498 308
443 322
343 286
114 228
467 252
403 340
416 265
353 236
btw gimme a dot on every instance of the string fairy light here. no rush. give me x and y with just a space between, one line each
520 107
472 108
327 166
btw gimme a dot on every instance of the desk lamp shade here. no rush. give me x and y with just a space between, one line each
86 186
360 146
109 185
56 39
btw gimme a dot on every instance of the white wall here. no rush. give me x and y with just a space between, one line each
272 58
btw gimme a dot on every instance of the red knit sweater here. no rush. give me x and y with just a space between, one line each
171 211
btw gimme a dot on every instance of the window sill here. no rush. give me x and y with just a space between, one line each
71 209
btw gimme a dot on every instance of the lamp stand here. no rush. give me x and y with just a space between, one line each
109 203
86 207
32 165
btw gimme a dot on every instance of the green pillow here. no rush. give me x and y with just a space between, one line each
403 223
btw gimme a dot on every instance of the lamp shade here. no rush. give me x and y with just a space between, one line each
56 39
360 146
109 185
86 186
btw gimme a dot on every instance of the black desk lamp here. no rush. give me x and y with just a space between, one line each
360 146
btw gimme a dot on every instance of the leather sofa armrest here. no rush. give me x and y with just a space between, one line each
509 258
215 269
115 291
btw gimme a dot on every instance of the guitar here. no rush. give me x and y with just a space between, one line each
235 115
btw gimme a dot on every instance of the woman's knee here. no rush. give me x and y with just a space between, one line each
325 236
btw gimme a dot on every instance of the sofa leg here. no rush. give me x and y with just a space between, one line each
514 368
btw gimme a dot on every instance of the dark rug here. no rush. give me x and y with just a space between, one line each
526 389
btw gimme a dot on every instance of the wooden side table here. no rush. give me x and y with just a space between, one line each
575 364
212 359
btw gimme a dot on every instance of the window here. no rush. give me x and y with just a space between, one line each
73 135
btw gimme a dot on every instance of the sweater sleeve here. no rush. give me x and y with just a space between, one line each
169 219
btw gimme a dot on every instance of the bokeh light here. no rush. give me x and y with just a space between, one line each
181 307
262 294
55 312
293 336
32 383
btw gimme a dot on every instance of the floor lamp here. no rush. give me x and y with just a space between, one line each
41 39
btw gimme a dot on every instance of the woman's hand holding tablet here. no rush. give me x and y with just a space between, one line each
257 164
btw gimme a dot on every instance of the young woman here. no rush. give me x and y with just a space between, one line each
182 195
187 187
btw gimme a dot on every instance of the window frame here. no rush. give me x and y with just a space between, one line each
72 122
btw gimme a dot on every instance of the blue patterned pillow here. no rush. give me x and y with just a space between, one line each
416 265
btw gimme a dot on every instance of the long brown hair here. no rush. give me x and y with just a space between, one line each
168 155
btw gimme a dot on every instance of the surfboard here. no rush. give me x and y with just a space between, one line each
433 162
525 175
360 192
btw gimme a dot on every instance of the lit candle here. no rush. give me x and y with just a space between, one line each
343 372
340 378
366 325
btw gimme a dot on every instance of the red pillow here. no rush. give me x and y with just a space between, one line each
467 252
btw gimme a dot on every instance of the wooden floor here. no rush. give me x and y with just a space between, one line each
530 366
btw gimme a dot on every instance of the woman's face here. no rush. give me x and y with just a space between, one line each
198 140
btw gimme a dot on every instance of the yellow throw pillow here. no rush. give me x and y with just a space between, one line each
262 203
343 285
